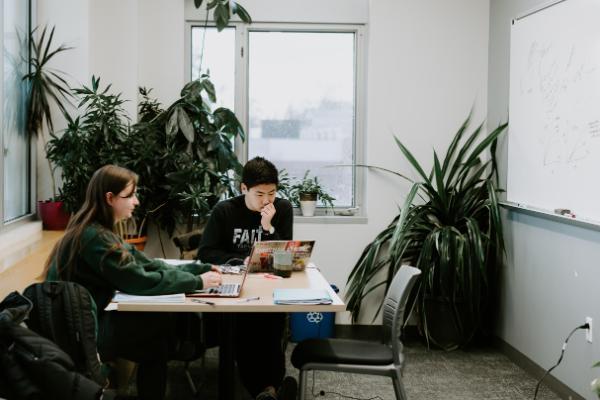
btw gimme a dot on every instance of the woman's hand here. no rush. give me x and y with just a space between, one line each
215 268
210 279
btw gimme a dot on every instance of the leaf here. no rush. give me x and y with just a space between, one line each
172 126
242 13
210 90
185 124
221 16
198 3
412 160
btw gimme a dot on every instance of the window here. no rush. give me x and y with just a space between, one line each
15 158
296 92
214 52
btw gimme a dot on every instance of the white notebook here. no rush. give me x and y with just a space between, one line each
163 298
301 296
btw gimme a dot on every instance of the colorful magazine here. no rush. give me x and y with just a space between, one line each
261 258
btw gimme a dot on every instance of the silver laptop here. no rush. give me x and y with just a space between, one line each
231 290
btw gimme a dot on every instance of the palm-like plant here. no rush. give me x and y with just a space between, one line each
449 227
46 86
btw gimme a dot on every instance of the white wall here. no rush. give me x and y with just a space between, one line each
72 29
161 48
426 68
551 277
114 48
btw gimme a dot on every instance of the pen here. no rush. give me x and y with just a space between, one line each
248 299
271 276
203 301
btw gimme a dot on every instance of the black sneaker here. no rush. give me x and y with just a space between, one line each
288 389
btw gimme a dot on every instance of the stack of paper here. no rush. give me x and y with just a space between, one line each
164 298
301 296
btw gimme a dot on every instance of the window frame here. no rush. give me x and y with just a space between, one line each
241 90
32 154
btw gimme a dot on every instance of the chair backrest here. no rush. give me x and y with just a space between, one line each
395 304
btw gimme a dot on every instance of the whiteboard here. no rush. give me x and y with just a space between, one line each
554 112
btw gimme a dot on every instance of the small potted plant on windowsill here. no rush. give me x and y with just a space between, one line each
306 192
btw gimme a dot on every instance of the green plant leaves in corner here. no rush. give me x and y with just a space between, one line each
449 227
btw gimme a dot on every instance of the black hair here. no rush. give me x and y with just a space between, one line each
259 171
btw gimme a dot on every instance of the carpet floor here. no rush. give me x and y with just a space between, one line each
482 373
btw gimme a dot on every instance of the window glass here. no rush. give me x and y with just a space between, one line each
301 105
15 143
214 52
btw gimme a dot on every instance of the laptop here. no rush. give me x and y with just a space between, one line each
261 259
230 290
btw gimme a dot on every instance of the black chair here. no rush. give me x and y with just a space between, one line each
355 356
188 243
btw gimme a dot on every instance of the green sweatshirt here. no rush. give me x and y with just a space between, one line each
106 264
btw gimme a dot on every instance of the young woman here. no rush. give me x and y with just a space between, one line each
92 255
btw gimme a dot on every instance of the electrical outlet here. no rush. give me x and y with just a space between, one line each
588 331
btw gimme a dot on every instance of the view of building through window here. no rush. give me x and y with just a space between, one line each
301 105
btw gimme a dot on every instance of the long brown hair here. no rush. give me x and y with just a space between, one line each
95 209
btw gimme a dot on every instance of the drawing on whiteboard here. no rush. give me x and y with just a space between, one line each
557 78
553 154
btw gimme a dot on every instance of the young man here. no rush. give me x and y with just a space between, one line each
233 227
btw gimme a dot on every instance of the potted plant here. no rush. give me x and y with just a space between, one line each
46 86
306 192
98 136
184 156
449 227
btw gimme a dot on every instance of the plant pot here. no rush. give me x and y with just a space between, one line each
138 242
53 215
446 329
308 204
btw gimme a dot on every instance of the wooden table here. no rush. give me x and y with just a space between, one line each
256 285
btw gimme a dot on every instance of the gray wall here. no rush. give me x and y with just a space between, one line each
551 280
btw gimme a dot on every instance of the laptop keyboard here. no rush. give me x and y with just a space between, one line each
226 289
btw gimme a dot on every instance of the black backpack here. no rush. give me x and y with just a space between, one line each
62 313
32 367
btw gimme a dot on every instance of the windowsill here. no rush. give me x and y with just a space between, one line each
331 219
23 241
19 236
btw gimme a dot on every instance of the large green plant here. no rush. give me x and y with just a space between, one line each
184 155
46 86
99 136
449 227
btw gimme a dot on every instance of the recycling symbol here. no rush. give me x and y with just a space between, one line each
314 317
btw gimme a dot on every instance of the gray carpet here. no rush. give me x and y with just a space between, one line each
429 374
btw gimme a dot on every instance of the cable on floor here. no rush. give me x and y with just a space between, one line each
324 392
562 353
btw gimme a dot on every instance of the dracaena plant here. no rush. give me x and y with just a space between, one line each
449 227
97 137
46 86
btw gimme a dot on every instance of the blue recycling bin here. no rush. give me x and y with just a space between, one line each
312 324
